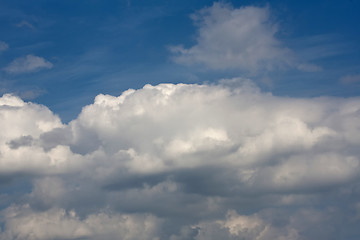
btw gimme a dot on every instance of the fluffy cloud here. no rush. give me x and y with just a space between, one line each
170 160
29 63
238 38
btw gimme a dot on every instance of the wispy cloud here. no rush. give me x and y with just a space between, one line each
29 63
350 79
25 24
3 46
319 47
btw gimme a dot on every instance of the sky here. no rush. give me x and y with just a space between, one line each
180 120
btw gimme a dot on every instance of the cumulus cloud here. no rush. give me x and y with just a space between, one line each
29 63
167 161
238 38
22 142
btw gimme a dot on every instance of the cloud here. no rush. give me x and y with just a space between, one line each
348 79
29 63
31 94
19 143
309 67
237 38
235 226
167 161
25 223
269 224
25 24
3 46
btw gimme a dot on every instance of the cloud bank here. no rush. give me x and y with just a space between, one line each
185 161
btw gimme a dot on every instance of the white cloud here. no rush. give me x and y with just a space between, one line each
168 127
3 46
20 118
184 153
29 63
238 38
22 126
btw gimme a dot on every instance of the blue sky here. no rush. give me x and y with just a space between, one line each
179 120
107 47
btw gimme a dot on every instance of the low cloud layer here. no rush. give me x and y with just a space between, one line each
243 38
223 161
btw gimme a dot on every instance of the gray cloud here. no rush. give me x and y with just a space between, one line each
22 141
